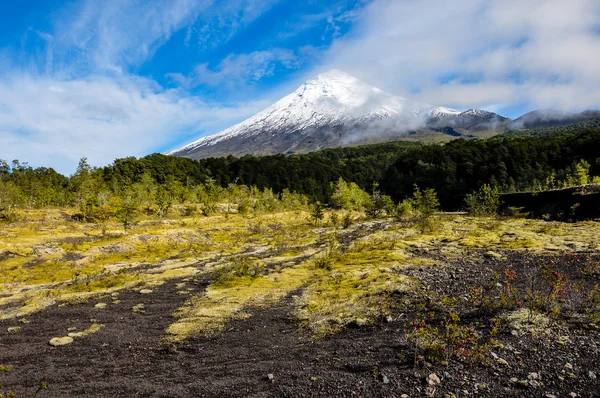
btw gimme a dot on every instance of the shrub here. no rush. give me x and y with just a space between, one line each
436 343
379 204
349 196
484 202
317 214
347 220
327 259
426 202
189 211
240 267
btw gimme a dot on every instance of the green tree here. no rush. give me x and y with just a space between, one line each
379 204
579 174
426 202
317 213
483 202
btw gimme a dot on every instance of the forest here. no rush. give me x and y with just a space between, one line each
512 163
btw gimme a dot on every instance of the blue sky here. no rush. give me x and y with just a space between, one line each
114 78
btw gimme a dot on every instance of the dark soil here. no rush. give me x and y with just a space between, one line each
127 359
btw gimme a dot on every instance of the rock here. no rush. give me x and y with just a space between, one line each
592 375
271 377
533 376
100 305
433 380
534 383
493 255
550 396
447 375
568 366
573 394
385 380
514 333
514 380
14 329
404 396
145 291
59 341
523 383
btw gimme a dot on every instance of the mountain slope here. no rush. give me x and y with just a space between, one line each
334 109
550 118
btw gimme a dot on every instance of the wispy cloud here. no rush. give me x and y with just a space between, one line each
111 35
545 53
53 122
238 70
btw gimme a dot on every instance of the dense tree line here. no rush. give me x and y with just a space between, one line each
513 163
507 163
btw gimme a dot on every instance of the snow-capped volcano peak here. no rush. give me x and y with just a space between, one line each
331 101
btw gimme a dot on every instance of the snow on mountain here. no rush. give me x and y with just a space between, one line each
332 98
335 109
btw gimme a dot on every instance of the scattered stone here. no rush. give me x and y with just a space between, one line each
550 396
271 377
14 329
533 376
447 375
514 333
523 383
404 396
573 394
145 291
100 305
493 255
433 380
592 375
568 366
514 380
385 379
483 387
534 383
60 341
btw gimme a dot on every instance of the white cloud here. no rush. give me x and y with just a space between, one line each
479 53
238 70
53 123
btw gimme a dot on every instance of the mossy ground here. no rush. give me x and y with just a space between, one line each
47 258
212 273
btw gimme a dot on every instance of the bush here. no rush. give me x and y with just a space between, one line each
379 204
189 211
349 196
426 202
347 221
240 267
484 202
317 214
406 213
